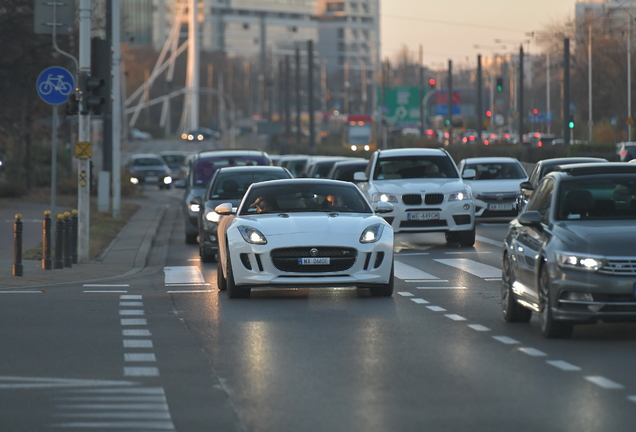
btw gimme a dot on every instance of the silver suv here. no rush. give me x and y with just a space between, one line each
426 190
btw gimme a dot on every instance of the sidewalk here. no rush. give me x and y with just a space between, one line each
126 255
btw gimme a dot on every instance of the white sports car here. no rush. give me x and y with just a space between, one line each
304 233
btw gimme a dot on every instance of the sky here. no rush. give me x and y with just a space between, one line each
449 29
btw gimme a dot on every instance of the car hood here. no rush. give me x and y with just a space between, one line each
608 238
494 186
344 224
421 186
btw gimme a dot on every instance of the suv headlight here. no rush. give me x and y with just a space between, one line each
380 196
460 196
372 234
577 261
212 216
252 235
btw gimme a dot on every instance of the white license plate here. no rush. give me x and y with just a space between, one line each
423 216
507 206
152 179
313 261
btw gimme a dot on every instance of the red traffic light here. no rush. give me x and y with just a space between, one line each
431 82
535 111
488 113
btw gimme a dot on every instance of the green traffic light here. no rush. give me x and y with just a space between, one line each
499 88
571 125
447 122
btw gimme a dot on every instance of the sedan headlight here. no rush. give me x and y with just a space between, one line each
134 180
380 196
252 235
372 234
213 216
167 180
194 207
576 261
460 196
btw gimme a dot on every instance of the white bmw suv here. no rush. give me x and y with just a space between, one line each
426 190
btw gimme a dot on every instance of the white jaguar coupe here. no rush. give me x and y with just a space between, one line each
304 233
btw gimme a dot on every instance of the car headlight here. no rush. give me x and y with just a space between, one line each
579 261
372 234
134 180
380 196
167 180
460 196
194 207
252 235
184 136
213 216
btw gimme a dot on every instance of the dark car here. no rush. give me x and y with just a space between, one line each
542 168
174 160
200 134
570 256
150 170
344 170
228 185
202 168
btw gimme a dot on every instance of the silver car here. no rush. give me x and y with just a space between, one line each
570 256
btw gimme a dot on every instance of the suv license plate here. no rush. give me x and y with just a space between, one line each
313 261
507 206
423 216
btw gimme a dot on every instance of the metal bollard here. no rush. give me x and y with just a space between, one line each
58 262
17 268
74 229
47 262
68 261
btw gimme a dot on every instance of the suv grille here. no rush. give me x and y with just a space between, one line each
412 199
435 198
286 259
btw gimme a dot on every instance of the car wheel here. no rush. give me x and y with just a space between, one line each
383 290
451 237
190 238
221 283
550 327
234 291
512 310
467 238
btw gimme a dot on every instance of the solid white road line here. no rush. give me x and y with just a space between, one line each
604 382
563 365
106 285
426 281
440 288
22 292
189 291
473 267
106 291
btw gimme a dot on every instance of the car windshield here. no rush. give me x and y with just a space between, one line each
147 162
410 167
306 197
174 160
600 198
497 171
205 167
232 186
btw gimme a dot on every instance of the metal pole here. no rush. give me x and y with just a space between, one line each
566 90
17 268
116 124
68 261
47 262
298 101
589 83
58 262
310 96
520 108
84 133
54 157
450 102
480 85
629 80
74 236
547 91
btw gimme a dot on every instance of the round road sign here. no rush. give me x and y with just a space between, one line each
54 84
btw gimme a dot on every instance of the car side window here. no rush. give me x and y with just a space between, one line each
541 199
534 176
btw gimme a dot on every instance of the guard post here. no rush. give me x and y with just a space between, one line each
68 261
47 262
74 230
17 269
58 262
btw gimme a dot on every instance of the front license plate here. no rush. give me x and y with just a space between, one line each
507 206
313 261
423 216
152 179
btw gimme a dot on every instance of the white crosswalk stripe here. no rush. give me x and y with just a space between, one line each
473 267
183 275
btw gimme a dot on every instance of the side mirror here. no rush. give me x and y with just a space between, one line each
224 209
180 184
469 174
526 185
382 207
530 218
360 176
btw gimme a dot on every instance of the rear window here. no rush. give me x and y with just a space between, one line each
233 186
492 171
204 168
148 162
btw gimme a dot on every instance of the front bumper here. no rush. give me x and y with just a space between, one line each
453 216
501 208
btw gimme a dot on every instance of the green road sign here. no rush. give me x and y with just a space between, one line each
401 104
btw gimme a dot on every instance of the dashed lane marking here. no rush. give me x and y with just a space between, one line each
134 321
130 304
140 371
467 252
22 292
439 288
183 275
604 382
106 291
563 365
426 280
131 312
136 332
419 301
532 352
405 294
478 327
455 317
404 272
140 357
106 285
436 308
506 340
130 297
137 343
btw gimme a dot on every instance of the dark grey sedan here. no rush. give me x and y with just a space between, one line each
228 185
571 256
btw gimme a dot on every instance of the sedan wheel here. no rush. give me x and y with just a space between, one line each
206 257
550 327
234 291
512 310
221 283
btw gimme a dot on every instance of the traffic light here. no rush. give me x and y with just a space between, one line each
535 111
98 83
448 122
92 98
499 84
72 105
488 113
431 83
571 122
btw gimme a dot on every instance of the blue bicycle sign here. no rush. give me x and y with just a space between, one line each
54 84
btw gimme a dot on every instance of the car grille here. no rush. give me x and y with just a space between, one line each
434 198
412 199
620 266
286 259
497 197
